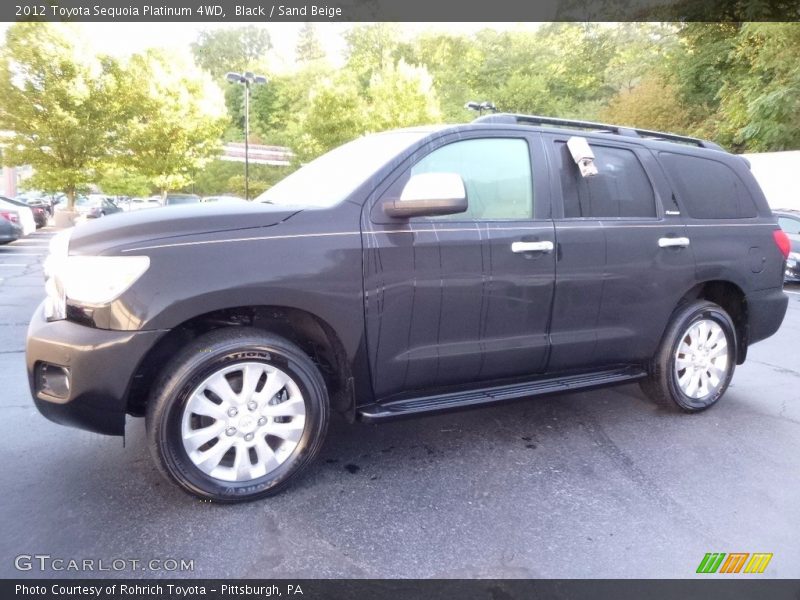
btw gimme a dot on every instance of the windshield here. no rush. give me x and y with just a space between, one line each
329 179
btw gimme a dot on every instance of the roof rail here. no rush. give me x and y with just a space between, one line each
516 119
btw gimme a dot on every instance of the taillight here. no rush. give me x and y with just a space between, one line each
10 216
782 242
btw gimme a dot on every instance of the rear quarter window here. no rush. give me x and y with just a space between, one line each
708 189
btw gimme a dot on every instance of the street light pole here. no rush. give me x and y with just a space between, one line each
247 140
247 79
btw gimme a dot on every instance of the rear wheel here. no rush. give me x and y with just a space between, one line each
696 360
237 415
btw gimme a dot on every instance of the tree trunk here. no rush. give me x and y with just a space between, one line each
66 217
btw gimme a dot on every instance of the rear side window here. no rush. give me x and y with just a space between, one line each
496 174
621 187
708 188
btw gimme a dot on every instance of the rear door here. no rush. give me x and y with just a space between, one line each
463 298
624 259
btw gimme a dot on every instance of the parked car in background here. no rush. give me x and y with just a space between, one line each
789 220
95 206
34 198
10 226
24 212
224 199
143 203
176 199
122 202
40 207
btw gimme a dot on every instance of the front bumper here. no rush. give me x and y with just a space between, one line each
101 365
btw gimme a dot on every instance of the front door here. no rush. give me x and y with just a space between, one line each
463 298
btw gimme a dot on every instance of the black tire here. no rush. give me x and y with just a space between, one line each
662 385
203 357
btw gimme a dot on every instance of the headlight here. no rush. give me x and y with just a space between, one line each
97 280
55 306
89 280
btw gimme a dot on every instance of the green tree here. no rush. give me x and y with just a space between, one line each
371 48
179 120
760 96
336 113
63 107
308 47
700 67
227 177
639 51
221 50
401 96
652 104
122 182
452 61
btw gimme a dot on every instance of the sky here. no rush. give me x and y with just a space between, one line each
121 39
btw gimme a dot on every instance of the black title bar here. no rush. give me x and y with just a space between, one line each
399 10
405 589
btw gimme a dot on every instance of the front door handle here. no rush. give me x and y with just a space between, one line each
520 247
673 242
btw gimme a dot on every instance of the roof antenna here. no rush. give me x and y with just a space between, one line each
481 106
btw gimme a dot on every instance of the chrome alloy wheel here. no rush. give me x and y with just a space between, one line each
243 421
701 359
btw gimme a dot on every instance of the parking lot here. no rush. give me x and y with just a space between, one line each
593 484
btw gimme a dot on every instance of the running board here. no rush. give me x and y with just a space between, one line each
376 413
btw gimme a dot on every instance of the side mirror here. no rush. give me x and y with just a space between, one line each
429 195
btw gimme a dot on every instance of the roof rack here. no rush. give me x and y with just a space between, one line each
597 127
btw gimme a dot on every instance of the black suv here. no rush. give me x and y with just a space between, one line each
406 273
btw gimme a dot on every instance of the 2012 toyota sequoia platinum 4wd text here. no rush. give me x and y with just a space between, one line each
406 273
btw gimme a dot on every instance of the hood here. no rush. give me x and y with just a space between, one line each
170 222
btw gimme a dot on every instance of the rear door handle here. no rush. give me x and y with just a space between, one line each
673 242
520 247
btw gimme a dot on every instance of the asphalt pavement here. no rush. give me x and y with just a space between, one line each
593 484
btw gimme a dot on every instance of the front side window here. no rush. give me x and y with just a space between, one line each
496 174
621 187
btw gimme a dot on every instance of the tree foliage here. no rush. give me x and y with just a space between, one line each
79 118
227 177
653 103
760 99
309 47
221 50
178 123
64 108
401 95
117 181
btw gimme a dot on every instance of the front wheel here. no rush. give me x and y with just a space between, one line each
237 415
696 360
